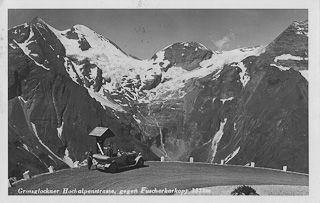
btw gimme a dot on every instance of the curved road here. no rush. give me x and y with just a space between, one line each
155 175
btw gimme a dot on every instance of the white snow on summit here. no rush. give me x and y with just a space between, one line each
121 70
177 76
112 61
235 55
103 54
101 51
126 76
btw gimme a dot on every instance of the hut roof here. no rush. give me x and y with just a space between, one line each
98 131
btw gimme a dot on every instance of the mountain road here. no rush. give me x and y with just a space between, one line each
166 176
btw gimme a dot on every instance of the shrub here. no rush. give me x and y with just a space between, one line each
244 190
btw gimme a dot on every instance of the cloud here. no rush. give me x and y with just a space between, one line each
224 41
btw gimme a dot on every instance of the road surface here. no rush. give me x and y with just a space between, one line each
154 178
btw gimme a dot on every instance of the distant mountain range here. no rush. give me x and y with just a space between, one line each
244 105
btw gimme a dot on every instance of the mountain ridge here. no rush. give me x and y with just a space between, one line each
70 82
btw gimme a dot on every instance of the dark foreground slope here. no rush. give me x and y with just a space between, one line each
159 175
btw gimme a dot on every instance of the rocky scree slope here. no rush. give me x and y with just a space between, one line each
248 104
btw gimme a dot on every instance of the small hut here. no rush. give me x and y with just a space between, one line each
101 133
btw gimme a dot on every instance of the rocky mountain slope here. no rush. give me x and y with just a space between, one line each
248 104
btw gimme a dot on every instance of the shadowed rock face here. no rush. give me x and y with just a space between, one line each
253 109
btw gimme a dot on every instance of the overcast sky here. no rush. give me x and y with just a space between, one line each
143 32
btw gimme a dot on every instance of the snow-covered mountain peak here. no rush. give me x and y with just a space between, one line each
114 78
187 55
86 43
90 59
197 45
176 77
83 29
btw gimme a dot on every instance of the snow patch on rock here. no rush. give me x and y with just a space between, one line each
216 139
201 46
25 25
24 47
25 147
136 119
301 28
67 159
282 68
51 158
104 101
27 52
244 77
59 130
45 146
232 155
224 100
288 57
21 99
70 70
160 58
12 46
